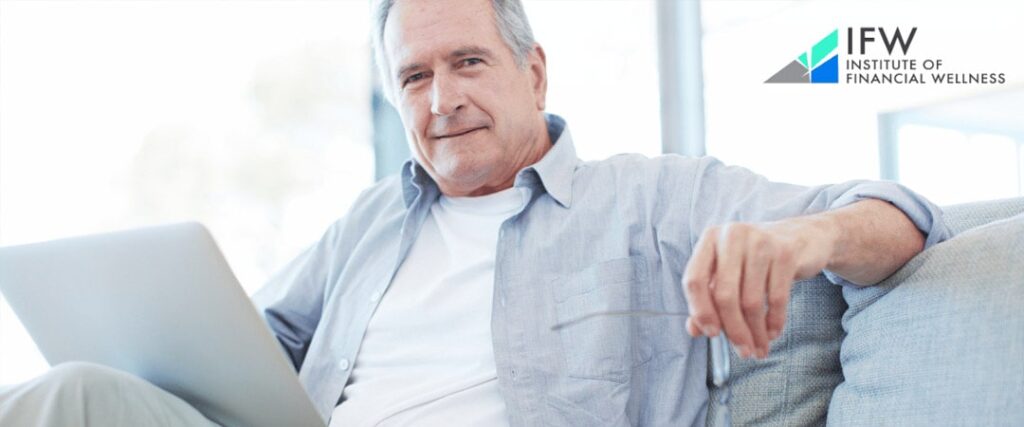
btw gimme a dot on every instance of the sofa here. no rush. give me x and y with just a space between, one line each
940 342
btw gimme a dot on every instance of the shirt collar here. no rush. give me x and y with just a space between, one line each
555 170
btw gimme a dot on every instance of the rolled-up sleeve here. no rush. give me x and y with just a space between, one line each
724 194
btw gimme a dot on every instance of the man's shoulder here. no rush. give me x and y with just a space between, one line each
635 166
382 199
382 195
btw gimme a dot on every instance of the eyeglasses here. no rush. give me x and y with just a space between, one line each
720 349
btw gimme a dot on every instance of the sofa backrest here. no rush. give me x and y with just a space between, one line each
962 217
794 386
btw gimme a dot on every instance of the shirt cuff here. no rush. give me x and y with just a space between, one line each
925 215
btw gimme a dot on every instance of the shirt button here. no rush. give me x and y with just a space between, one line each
343 364
374 296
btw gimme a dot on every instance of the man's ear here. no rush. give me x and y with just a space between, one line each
537 62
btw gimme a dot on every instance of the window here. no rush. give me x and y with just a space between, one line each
122 114
958 150
957 167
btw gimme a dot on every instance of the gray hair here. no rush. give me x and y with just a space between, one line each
509 15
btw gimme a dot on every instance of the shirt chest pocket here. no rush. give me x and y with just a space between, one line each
600 339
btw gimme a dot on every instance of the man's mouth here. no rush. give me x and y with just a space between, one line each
461 133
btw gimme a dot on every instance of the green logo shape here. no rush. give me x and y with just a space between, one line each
818 65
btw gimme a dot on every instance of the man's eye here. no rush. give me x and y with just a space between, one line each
472 61
413 78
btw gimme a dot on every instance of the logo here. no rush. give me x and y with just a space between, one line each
818 65
893 65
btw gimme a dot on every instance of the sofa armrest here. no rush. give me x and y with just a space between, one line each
942 340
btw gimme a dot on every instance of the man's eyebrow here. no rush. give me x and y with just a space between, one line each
471 51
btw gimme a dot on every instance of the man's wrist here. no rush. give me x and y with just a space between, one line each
818 241
831 229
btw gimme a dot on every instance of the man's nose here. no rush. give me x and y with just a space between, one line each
446 97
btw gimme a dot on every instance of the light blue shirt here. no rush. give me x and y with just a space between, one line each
598 236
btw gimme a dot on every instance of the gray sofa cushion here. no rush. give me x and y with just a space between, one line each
945 346
794 386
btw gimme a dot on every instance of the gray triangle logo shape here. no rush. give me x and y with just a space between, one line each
794 72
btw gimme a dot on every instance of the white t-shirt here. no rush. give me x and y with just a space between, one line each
427 357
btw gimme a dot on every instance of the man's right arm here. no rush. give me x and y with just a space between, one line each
292 301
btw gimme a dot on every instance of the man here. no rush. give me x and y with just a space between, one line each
486 284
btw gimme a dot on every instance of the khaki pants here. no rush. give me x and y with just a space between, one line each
86 394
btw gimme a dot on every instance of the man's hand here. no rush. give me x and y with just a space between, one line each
739 276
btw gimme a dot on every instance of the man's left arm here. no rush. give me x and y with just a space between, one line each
871 239
757 237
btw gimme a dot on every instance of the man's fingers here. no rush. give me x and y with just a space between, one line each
753 293
696 286
738 281
780 281
692 328
726 289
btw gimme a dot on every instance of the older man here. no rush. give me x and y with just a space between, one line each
492 281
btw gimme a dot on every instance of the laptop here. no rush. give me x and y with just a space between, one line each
160 303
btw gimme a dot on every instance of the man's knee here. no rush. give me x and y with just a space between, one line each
80 393
83 377
68 394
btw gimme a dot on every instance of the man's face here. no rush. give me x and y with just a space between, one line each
471 113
